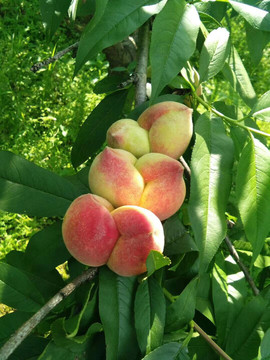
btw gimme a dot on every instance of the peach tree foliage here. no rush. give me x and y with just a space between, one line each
228 196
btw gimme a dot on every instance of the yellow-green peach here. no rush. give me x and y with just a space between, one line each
126 134
165 188
89 230
170 127
113 176
140 232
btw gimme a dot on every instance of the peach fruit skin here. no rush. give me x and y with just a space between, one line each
154 181
170 127
113 176
140 232
126 134
165 188
89 230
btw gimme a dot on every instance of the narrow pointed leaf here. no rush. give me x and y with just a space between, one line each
214 53
256 17
261 109
119 19
155 261
53 12
180 312
253 192
17 291
235 72
244 337
150 311
211 166
92 133
116 308
173 42
26 188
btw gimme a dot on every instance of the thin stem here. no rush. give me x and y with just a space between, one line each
185 165
141 69
227 118
206 337
17 338
54 58
248 277
211 342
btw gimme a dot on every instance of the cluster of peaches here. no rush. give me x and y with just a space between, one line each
136 182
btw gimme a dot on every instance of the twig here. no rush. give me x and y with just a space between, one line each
186 167
235 255
211 342
141 69
54 58
17 338
214 346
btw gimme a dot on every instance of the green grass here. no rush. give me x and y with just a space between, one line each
40 113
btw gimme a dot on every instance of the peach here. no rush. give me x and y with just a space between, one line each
113 176
126 134
170 127
89 230
140 232
154 181
165 188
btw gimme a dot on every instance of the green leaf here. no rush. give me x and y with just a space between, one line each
227 304
173 42
265 346
92 133
72 324
52 351
253 193
53 12
110 83
182 310
118 20
150 312
10 322
256 17
30 348
244 338
256 41
17 291
200 349
26 188
204 298
214 53
170 351
177 239
261 110
116 307
156 261
235 72
211 167
46 249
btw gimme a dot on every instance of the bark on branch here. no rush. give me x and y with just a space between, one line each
141 69
17 338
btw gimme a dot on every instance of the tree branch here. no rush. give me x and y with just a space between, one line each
17 338
213 345
56 57
248 277
141 69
